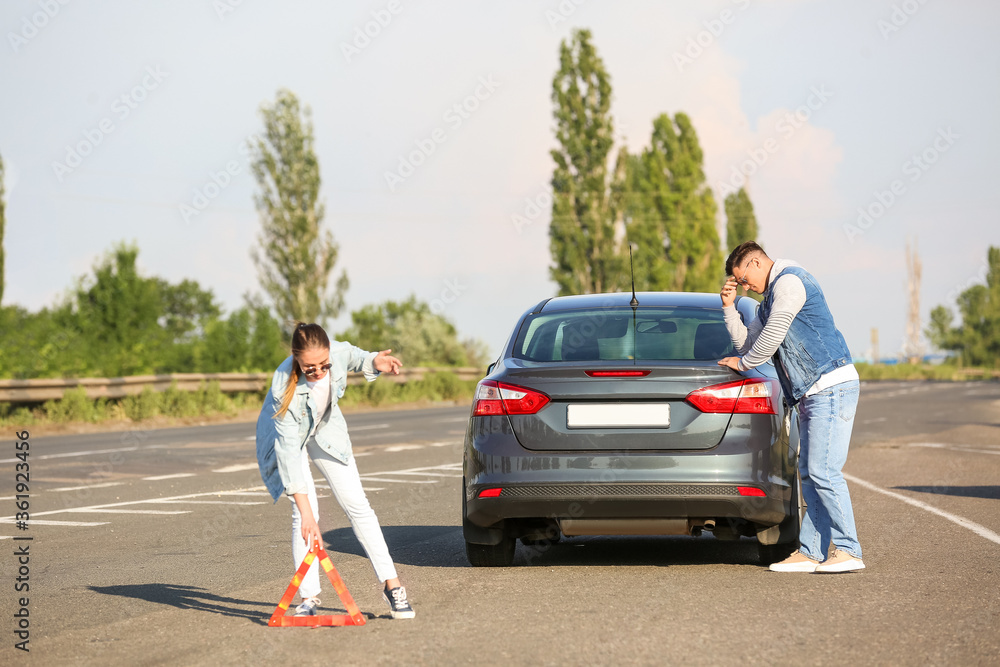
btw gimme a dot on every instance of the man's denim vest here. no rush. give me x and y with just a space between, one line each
813 345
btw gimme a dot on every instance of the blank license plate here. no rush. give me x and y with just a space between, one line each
618 415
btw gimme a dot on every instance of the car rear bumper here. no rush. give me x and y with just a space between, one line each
633 485
624 501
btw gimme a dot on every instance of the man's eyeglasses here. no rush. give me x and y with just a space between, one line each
316 370
743 280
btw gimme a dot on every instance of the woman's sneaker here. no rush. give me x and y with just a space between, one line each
398 605
308 607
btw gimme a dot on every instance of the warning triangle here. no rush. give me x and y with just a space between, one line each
353 615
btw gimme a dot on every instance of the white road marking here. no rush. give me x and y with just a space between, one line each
373 488
239 467
955 448
428 474
121 511
399 481
36 522
6 537
453 420
177 475
982 531
876 420
402 448
91 452
367 427
446 466
89 486
10 519
444 444
206 502
377 435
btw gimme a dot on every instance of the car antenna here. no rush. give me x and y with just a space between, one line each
634 302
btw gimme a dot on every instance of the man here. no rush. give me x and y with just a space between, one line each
794 325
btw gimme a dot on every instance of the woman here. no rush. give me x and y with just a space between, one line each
300 415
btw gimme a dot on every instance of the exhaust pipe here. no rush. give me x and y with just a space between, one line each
709 524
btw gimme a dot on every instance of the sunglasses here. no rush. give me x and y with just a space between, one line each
316 370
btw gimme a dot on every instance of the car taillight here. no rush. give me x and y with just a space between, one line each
743 397
490 493
500 398
751 491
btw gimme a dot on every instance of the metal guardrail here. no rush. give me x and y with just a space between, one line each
33 391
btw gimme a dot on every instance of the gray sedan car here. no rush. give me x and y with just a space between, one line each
603 417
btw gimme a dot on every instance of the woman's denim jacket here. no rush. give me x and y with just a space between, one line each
281 442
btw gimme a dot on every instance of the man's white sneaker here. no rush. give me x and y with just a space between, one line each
840 561
797 562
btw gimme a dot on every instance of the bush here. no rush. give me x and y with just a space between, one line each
211 399
177 403
144 405
75 406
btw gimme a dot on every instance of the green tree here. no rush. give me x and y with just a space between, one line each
741 223
37 345
741 226
3 224
117 313
585 236
296 255
413 332
186 308
672 211
977 338
248 340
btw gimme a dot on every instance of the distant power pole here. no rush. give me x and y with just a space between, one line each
913 349
875 356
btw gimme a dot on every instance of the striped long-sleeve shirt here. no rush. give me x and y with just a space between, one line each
758 342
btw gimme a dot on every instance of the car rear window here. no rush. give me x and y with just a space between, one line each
616 334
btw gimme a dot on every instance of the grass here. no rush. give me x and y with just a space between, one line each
946 372
209 401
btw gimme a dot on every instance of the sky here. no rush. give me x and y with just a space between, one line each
857 127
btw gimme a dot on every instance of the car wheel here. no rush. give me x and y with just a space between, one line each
491 555
773 553
787 532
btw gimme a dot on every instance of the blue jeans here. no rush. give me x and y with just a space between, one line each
825 423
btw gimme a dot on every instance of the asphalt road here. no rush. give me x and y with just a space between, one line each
161 547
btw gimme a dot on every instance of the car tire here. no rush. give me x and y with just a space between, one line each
773 553
788 532
491 555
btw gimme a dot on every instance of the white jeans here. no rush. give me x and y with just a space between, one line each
345 482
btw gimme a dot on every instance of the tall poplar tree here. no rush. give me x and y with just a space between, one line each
673 211
3 225
296 255
741 223
586 234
